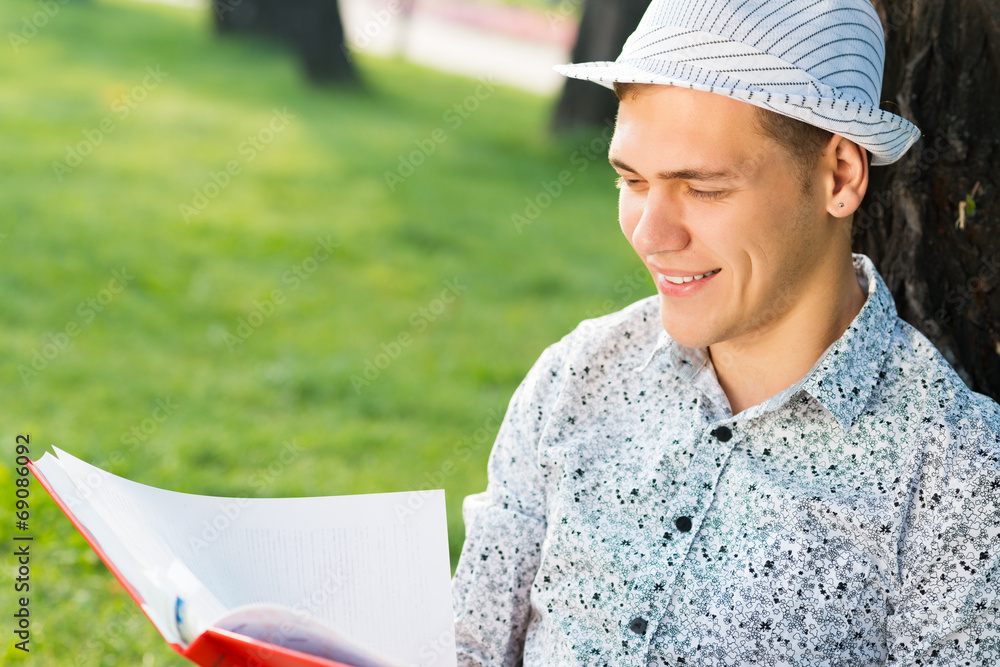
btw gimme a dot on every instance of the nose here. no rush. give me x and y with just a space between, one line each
661 226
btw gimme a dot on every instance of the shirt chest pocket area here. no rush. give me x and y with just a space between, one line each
797 596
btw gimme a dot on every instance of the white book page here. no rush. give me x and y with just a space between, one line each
373 566
140 570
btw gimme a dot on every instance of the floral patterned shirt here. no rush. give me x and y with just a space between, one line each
631 519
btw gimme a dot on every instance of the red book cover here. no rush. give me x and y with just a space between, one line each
214 647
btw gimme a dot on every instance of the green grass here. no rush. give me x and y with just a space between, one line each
169 333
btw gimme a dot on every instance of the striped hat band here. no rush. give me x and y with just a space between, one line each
818 61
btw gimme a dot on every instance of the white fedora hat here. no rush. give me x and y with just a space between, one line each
818 61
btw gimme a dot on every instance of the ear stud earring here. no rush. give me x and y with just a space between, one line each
841 205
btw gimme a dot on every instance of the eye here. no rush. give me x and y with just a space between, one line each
622 182
707 195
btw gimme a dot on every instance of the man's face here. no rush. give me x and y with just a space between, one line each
702 192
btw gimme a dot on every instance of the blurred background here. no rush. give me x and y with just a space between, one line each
252 250
298 248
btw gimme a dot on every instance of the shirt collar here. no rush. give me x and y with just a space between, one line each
842 379
845 375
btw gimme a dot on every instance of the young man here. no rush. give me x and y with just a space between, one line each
762 464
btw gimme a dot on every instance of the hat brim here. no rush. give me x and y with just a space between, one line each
883 134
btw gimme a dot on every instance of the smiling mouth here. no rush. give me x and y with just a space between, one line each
680 280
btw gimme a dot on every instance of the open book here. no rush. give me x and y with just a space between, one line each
360 580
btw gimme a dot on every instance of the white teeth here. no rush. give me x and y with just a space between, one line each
686 279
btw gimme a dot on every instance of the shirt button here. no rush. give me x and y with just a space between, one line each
637 625
683 523
723 434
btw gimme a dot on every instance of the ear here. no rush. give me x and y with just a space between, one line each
846 166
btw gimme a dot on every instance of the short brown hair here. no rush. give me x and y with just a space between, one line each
802 142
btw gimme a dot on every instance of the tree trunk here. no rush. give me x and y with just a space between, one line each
312 27
605 26
942 71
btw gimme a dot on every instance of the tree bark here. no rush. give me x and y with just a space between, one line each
942 71
312 27
604 27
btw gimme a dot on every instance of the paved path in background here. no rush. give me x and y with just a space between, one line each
509 44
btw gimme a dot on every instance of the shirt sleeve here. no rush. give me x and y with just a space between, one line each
948 610
505 527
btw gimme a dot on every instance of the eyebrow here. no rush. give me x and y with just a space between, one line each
690 174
